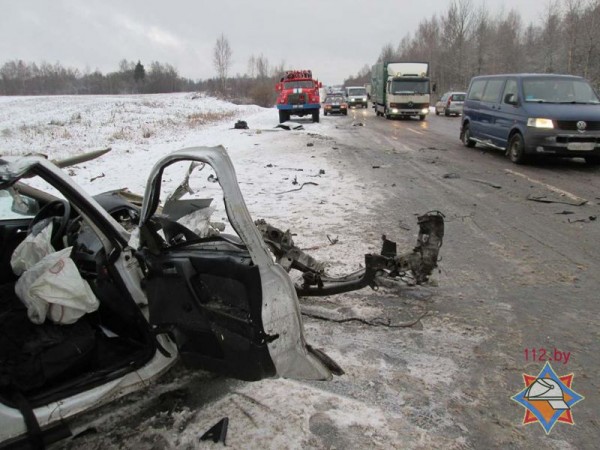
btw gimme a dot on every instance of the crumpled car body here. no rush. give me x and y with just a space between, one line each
218 303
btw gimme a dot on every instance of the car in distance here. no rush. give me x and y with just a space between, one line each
357 96
335 104
450 103
533 114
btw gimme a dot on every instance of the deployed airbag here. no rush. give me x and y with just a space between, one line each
32 249
54 289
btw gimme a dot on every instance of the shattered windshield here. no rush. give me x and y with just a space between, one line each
558 90
409 87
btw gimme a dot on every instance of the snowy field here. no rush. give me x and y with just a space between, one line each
141 129
364 408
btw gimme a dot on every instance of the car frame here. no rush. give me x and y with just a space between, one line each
164 300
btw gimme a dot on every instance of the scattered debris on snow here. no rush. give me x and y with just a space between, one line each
290 126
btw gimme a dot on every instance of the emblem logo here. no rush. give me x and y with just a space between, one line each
581 125
410 104
548 398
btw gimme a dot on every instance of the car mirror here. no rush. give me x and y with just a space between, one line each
24 206
278 87
511 99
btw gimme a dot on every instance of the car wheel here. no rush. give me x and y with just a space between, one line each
446 113
325 113
422 117
592 160
466 137
516 149
437 113
283 116
315 116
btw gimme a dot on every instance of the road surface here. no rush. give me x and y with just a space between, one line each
517 274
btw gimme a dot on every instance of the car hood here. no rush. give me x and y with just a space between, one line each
563 111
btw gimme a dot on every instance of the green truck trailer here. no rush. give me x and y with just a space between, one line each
400 89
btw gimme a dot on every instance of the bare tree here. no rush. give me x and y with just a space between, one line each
468 40
262 67
551 37
252 66
509 55
572 26
482 38
591 20
387 53
456 26
222 59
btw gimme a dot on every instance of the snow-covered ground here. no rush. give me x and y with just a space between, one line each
362 409
140 129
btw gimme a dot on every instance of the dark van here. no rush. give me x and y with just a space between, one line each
533 114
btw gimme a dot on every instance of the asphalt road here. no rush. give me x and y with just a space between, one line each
516 274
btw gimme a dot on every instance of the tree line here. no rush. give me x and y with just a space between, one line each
468 40
256 86
22 78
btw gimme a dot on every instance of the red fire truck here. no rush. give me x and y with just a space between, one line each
298 95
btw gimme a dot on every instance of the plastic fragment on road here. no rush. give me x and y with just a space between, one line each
218 432
288 125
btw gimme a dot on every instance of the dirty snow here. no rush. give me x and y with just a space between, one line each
385 369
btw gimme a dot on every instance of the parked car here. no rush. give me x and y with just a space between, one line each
161 292
533 114
335 104
450 103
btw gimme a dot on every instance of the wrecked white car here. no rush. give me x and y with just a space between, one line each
99 295
155 291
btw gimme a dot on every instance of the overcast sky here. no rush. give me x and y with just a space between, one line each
334 38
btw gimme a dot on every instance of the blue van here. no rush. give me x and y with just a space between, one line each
533 114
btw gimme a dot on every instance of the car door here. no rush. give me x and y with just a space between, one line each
507 111
224 301
490 102
474 110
